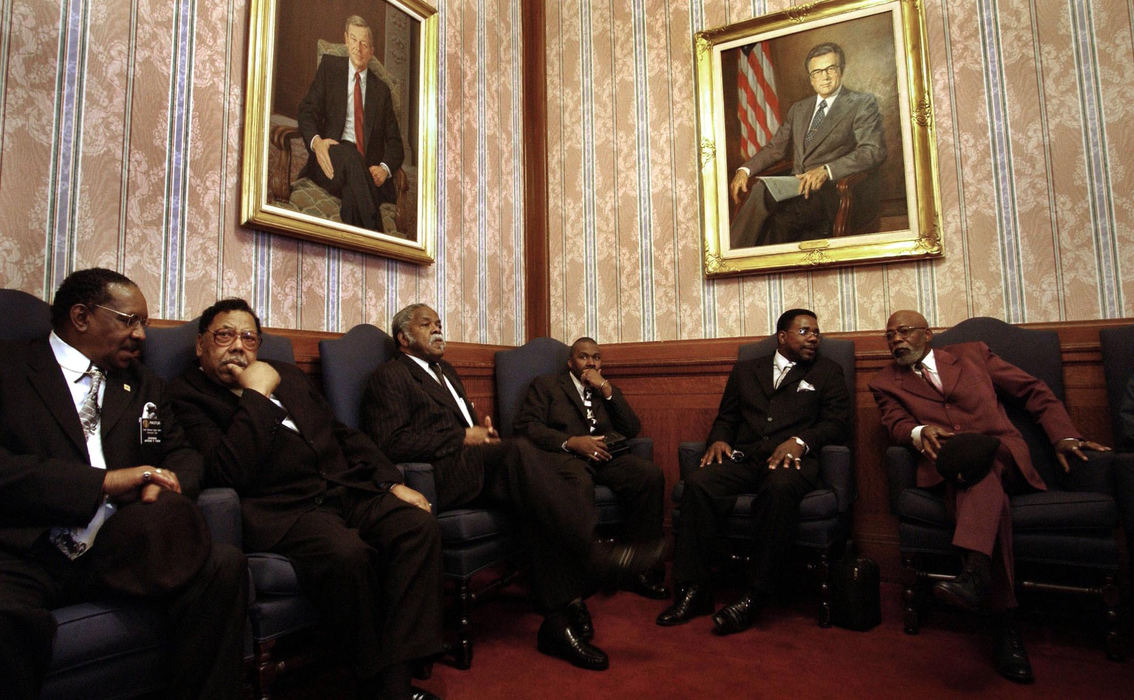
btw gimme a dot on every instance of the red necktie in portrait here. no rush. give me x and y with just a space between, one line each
358 115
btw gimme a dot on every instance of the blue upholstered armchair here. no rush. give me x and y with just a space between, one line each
472 539
1118 367
1063 538
825 513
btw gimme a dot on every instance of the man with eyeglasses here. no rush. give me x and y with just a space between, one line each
946 400
583 423
830 136
96 488
350 130
365 546
777 412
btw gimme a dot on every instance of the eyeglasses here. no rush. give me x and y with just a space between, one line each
806 331
820 72
131 321
224 337
903 331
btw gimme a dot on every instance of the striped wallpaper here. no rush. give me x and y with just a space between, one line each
120 125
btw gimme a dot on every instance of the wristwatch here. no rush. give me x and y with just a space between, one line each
800 442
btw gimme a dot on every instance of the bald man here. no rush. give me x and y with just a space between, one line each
929 396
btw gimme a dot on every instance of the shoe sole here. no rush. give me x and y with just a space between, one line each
587 667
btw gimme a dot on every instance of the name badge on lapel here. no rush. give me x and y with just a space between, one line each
149 425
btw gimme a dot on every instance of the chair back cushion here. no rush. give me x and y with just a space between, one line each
23 316
1118 364
835 349
515 370
1034 351
168 351
348 362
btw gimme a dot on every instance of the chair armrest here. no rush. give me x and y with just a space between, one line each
642 447
221 509
1124 493
279 161
419 477
835 470
689 457
901 472
1096 475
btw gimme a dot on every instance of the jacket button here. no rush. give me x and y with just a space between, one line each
769 419
318 500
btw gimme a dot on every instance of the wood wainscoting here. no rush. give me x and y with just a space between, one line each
675 387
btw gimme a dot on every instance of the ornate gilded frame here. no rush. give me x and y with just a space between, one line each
257 207
922 238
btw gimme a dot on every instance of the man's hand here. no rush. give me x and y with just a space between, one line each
589 446
739 184
378 174
932 438
322 149
787 455
414 498
146 481
481 434
258 376
1075 446
593 378
717 452
812 180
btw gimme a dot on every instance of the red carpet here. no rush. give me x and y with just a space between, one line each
785 655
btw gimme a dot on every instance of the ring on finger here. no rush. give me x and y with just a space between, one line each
146 476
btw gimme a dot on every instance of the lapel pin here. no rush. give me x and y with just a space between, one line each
126 387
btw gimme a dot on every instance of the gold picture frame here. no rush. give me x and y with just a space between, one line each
286 41
884 45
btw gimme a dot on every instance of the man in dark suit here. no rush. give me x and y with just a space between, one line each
365 546
828 137
416 409
582 422
929 396
776 414
83 479
351 132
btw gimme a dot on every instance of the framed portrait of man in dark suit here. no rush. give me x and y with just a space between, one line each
341 124
816 141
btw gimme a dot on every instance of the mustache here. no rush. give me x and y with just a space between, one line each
437 335
235 360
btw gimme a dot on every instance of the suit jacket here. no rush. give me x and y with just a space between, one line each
279 474
45 475
849 140
323 112
755 417
415 419
553 411
972 378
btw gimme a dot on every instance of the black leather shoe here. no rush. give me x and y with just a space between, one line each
690 601
422 694
736 616
1011 657
620 561
647 586
557 638
580 618
967 591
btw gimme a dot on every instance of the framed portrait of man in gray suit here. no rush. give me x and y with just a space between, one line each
816 143
340 132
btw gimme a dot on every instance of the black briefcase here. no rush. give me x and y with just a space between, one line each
856 601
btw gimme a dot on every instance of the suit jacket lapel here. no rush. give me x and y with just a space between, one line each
370 107
568 388
46 379
115 399
948 371
764 374
432 387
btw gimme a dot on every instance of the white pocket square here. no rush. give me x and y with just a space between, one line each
804 385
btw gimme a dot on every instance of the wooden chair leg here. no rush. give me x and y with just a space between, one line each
909 594
823 571
462 651
266 669
1111 598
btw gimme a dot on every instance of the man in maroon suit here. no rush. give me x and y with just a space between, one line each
928 397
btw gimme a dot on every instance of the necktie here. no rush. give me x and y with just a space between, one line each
592 422
436 367
89 410
358 114
816 121
783 373
929 376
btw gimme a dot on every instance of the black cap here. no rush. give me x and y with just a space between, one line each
966 458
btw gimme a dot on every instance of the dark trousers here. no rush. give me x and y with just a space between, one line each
761 220
354 185
710 495
638 484
371 563
208 618
558 522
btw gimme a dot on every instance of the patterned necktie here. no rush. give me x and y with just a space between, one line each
929 376
816 121
358 114
89 410
436 367
783 373
592 420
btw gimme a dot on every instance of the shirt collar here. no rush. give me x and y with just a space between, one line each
421 363
830 98
929 361
780 362
578 385
73 362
